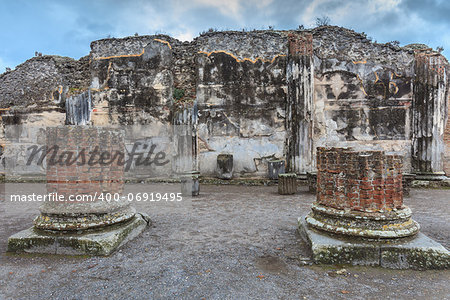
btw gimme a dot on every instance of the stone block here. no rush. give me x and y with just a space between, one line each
312 182
417 252
91 242
190 185
287 184
275 167
225 166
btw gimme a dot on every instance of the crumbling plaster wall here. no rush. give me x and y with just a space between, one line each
132 80
257 95
241 98
362 93
35 91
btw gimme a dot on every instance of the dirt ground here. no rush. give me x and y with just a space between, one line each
231 242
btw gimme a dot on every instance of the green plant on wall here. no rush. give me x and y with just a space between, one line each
178 94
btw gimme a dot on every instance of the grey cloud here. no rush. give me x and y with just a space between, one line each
430 10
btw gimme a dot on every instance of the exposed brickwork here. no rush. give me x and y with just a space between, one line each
300 44
365 181
96 175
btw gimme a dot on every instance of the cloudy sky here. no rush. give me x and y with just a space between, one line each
66 27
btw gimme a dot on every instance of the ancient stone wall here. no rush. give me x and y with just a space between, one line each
36 90
241 97
258 95
185 70
132 88
362 93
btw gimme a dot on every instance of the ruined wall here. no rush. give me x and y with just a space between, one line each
241 97
362 93
132 80
258 95
35 91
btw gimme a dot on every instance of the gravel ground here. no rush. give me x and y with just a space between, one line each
231 242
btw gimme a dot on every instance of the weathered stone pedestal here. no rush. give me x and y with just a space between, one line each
275 167
100 242
407 180
312 181
287 184
225 166
359 216
436 176
93 219
190 185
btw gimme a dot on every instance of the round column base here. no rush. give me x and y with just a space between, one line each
374 225
66 222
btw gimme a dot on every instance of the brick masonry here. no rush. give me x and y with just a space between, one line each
368 181
97 174
300 44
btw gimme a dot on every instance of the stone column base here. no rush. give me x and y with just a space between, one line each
436 176
388 224
79 221
417 252
190 184
99 242
287 184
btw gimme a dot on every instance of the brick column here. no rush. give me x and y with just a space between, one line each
360 193
83 163
85 180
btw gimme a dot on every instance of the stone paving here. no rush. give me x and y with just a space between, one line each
231 242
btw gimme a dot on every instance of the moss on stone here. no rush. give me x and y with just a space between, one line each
90 242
